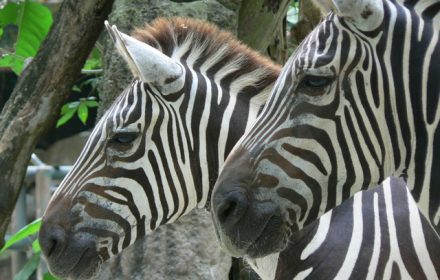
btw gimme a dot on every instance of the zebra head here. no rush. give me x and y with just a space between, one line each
155 154
343 115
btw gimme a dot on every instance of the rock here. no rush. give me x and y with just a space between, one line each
186 249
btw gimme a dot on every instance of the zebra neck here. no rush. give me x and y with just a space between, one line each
229 127
410 104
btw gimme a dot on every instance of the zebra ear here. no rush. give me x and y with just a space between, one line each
366 15
145 62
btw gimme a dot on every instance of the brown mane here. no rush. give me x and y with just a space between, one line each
168 34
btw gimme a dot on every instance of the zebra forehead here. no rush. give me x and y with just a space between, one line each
167 34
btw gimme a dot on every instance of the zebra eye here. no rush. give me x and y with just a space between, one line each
124 138
315 85
316 81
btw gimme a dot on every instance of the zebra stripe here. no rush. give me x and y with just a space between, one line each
119 193
336 248
356 103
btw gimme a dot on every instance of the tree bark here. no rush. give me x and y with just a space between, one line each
261 26
309 16
41 90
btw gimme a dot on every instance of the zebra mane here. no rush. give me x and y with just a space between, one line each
206 41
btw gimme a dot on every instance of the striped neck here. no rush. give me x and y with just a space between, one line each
408 48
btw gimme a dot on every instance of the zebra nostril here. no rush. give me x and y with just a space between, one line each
226 210
52 238
232 208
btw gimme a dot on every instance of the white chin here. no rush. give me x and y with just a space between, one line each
265 267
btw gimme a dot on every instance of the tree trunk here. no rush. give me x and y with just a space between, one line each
261 26
309 16
41 90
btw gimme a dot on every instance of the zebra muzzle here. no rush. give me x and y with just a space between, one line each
245 224
69 254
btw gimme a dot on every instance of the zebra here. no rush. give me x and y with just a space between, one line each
100 207
368 236
356 103
155 154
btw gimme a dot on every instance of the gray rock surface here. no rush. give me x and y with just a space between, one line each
186 249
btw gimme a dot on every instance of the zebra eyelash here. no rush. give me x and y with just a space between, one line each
315 85
123 138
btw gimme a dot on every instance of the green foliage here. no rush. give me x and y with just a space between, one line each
33 21
29 231
36 246
23 233
81 108
29 268
26 232
292 13
48 276
94 61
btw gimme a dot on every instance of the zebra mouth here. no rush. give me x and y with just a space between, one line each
77 260
87 265
271 239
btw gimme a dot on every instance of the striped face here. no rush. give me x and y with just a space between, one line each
131 176
341 118
155 154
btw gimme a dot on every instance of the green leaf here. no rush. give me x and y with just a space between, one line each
67 116
73 105
292 16
94 60
12 61
92 103
83 112
9 14
64 109
6 59
28 268
36 246
92 64
23 233
48 276
92 82
76 88
33 20
69 106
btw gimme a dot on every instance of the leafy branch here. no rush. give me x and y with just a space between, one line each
34 21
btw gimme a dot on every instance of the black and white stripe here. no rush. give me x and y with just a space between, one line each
356 103
376 234
154 156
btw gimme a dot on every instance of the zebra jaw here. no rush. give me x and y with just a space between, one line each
252 225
